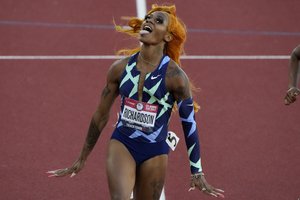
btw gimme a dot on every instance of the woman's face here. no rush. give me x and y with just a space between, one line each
154 29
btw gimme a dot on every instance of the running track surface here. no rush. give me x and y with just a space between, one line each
250 139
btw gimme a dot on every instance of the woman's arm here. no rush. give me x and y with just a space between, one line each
177 83
99 119
294 67
293 90
101 115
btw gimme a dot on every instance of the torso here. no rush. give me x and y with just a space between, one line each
148 87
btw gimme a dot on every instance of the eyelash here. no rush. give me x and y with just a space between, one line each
147 17
158 20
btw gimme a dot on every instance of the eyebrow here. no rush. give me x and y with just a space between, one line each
161 14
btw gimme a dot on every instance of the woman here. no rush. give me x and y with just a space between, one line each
149 82
293 91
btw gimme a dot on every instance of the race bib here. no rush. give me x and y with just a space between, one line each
139 115
172 140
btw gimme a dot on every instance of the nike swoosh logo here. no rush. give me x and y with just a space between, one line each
155 77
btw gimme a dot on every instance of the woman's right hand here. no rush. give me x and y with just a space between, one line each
291 95
72 171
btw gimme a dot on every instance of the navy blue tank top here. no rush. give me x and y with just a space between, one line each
145 121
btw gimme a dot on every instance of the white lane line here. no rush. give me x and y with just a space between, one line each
235 57
68 57
113 57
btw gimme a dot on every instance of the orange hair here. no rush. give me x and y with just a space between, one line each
176 27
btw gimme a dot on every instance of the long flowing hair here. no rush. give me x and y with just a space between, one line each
176 27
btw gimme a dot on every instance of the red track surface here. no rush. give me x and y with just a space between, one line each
250 139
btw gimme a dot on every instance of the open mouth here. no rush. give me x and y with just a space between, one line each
146 30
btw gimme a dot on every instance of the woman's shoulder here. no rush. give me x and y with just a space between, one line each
174 70
119 65
296 52
176 78
116 69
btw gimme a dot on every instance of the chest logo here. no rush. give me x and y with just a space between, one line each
155 77
139 106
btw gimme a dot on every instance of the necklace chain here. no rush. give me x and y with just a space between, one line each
144 60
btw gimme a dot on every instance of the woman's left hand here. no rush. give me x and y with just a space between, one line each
198 181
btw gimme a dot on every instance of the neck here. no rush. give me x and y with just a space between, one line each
151 55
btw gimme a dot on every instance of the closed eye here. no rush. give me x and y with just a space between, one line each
147 17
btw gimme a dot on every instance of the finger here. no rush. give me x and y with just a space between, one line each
207 187
73 174
219 190
64 172
200 185
289 96
192 185
220 195
209 193
292 95
53 171
55 175
290 99
212 194
52 175
215 194
59 172
286 102
191 188
56 171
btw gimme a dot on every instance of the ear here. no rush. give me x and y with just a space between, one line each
168 37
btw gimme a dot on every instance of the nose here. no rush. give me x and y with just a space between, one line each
149 19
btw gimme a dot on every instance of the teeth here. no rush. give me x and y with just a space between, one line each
147 28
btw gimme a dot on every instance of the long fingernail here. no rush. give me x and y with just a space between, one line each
212 194
220 190
73 174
